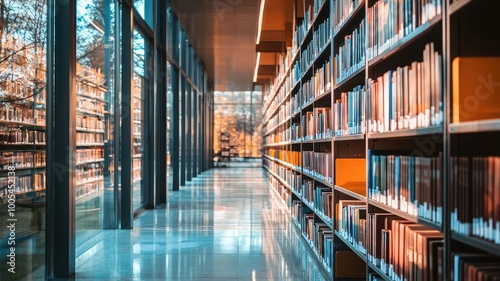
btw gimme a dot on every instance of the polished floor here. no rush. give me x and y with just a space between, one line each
224 225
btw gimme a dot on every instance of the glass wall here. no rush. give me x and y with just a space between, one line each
23 28
91 178
237 125
170 141
139 125
95 119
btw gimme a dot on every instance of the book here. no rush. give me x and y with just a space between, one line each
408 97
476 88
350 173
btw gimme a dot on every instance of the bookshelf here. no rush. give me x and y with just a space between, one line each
396 158
91 130
473 133
22 125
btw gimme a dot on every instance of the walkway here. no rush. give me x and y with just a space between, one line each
223 226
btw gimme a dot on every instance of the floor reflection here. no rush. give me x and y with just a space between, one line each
223 226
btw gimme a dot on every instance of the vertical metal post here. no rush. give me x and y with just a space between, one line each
61 138
189 129
183 129
127 209
175 153
161 105
109 213
174 80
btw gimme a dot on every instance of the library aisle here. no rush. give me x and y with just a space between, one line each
225 225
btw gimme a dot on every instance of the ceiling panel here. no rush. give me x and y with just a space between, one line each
223 33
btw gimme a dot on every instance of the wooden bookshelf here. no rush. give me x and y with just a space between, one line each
430 45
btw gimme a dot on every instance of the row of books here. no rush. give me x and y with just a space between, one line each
409 97
89 154
282 114
90 106
317 6
89 90
89 123
293 158
317 124
17 89
90 75
404 250
323 79
296 132
350 112
342 9
86 189
21 159
319 234
307 92
319 84
283 63
407 183
89 138
307 58
475 266
296 103
302 28
321 36
282 190
475 197
22 184
280 170
319 196
351 222
318 164
21 136
277 137
89 172
310 12
350 56
389 21
9 113
323 200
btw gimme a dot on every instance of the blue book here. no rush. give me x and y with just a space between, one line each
411 181
397 181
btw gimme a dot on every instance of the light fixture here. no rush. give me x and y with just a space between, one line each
261 15
256 72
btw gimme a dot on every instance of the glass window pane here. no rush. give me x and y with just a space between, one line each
95 118
145 9
237 130
22 135
141 83
170 134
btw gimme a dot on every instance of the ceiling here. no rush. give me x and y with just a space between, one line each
224 32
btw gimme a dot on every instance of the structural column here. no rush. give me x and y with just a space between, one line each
61 138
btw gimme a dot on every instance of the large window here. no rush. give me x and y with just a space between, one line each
23 29
95 119
237 125
141 82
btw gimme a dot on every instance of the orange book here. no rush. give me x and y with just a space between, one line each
350 173
476 88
